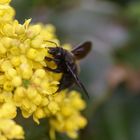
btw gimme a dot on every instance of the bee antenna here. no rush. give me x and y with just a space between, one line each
52 42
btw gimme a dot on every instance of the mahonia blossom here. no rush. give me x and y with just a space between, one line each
10 130
68 119
24 82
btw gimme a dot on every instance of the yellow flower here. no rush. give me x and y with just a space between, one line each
26 84
10 130
7 106
4 1
65 120
6 13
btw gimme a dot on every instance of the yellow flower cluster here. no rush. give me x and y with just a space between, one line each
24 82
6 11
68 120
10 130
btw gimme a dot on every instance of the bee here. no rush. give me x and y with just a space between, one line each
66 64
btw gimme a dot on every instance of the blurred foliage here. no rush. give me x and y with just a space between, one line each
25 7
121 2
130 53
114 27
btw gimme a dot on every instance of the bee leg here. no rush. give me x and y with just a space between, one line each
54 70
52 59
48 58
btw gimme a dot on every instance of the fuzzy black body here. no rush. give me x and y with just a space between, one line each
67 79
63 59
66 64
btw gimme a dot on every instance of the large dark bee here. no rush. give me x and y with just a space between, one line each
66 64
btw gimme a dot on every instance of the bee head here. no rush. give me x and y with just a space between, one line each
57 52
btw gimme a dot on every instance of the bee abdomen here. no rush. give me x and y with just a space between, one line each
66 81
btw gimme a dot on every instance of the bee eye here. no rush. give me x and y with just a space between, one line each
52 51
59 54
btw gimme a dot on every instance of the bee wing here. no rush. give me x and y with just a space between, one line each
78 82
82 50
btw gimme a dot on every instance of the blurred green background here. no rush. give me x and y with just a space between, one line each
111 72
